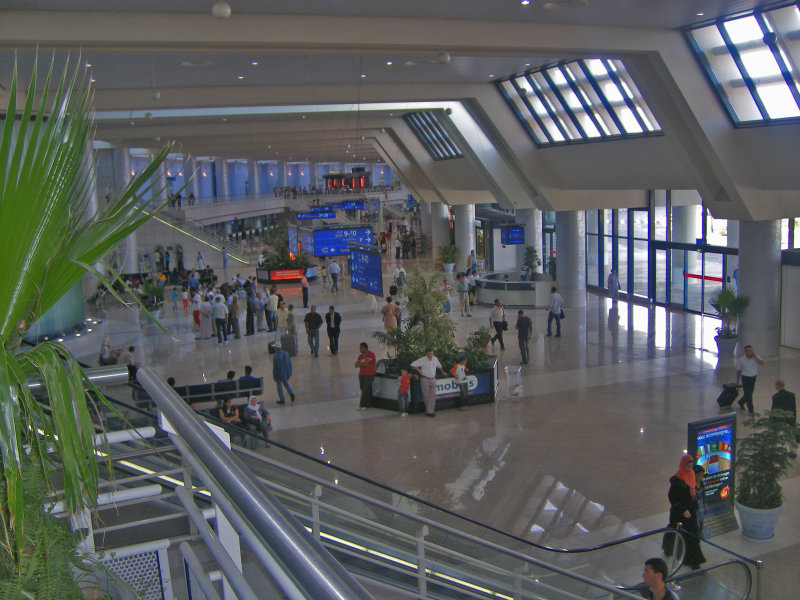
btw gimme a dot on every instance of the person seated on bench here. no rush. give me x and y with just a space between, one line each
257 419
228 413
247 380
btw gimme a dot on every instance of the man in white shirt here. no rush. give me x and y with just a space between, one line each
497 319
426 367
747 371
281 321
220 312
554 312
333 271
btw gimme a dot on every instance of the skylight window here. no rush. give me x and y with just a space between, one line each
749 59
432 135
582 100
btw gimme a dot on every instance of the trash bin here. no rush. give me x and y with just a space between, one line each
514 380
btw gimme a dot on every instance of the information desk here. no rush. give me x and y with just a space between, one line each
531 294
483 385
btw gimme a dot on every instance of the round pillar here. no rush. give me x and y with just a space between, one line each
760 280
531 218
425 217
440 227
570 257
465 233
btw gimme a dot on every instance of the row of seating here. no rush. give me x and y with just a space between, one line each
214 393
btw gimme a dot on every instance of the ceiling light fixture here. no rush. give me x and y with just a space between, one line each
221 10
388 63
363 75
88 65
254 63
240 77
526 2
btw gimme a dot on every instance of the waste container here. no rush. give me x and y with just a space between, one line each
514 380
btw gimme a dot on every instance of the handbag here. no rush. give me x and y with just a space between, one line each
562 315
505 325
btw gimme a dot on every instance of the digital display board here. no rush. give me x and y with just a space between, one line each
333 242
294 246
712 442
307 241
353 205
365 269
318 208
308 216
512 235
286 274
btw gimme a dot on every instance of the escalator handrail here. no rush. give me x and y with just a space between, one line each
322 576
703 571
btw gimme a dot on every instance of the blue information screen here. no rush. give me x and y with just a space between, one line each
307 216
512 235
353 205
293 245
333 242
365 270
307 241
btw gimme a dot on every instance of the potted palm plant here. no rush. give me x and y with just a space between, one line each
762 458
51 239
447 256
154 298
730 307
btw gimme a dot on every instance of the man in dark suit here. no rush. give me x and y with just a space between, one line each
333 320
784 400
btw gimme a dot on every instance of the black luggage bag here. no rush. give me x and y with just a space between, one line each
393 290
729 393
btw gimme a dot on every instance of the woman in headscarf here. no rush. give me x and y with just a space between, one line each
257 419
683 510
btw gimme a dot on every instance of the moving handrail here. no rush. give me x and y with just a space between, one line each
322 576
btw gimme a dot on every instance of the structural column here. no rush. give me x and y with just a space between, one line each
194 185
252 178
129 262
440 227
760 280
221 178
465 233
531 218
425 217
570 257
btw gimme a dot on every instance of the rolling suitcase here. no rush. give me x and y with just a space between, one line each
393 290
289 343
728 395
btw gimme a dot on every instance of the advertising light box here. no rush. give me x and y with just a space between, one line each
333 242
307 241
365 270
712 443
512 235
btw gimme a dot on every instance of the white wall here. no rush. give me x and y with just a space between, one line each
790 316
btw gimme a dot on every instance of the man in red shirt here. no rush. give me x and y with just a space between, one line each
366 373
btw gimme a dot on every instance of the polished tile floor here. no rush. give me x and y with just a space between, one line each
583 455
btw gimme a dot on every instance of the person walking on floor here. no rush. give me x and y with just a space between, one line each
313 322
333 321
333 271
785 400
613 284
555 311
462 289
304 285
497 319
426 367
524 335
365 363
281 372
746 372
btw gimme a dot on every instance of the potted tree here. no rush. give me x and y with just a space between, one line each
763 457
730 306
154 298
51 239
447 256
531 260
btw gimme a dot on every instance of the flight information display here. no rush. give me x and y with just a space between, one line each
333 242
512 235
308 216
365 269
307 241
294 246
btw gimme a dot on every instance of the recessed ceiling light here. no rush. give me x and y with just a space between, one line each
196 64
527 64
88 65
240 77
224 119
526 2
254 63
92 80
700 14
388 63
363 75
490 76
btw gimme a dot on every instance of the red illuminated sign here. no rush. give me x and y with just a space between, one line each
285 274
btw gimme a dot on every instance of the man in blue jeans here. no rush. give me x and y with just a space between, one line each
281 372
333 271
313 322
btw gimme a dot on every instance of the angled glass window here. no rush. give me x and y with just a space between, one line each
752 61
576 101
431 134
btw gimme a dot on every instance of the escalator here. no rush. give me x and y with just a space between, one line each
400 546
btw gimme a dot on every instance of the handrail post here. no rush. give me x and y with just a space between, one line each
315 496
759 566
421 578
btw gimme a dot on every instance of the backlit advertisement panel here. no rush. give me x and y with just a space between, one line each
365 269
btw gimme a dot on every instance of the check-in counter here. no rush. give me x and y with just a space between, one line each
533 294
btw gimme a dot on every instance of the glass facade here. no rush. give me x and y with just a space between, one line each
578 101
751 61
